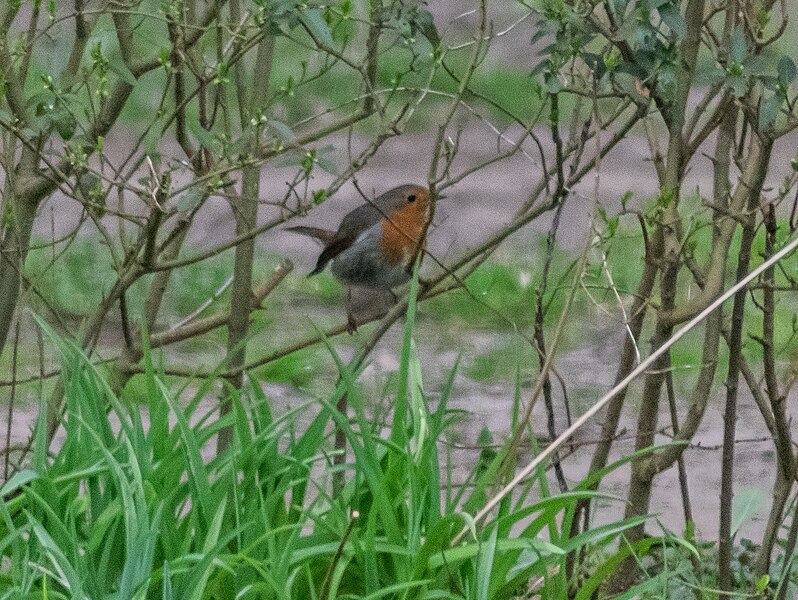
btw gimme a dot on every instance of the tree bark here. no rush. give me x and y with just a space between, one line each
13 250
246 215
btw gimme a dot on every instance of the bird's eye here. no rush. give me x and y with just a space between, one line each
411 198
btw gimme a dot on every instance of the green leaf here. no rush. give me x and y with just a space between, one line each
487 552
391 591
243 143
426 25
197 476
67 575
739 49
166 590
738 85
628 30
437 539
204 137
758 66
671 16
469 551
769 110
118 66
191 199
746 503
709 75
552 83
787 71
653 586
210 549
19 479
281 129
602 533
152 139
290 158
666 81
604 570
318 27
645 38
326 165
625 199
626 83
64 123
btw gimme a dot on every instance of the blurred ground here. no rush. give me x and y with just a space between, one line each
476 207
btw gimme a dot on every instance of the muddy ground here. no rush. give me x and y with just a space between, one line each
475 207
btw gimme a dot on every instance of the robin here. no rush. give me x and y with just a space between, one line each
375 242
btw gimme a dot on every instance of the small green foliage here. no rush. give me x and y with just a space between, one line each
507 289
625 199
308 162
497 364
665 198
222 74
487 452
310 159
319 196
7 219
100 69
611 223
163 57
93 196
298 369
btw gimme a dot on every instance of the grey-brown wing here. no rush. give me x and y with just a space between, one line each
352 225
359 220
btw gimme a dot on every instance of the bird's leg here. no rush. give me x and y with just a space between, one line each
351 322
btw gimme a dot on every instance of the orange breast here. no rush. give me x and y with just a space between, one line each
400 235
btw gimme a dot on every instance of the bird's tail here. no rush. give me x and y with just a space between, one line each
325 236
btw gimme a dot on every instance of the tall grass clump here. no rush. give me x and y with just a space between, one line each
131 505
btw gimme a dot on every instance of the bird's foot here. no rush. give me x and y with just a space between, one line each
424 285
351 324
